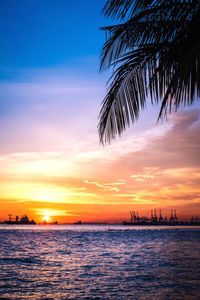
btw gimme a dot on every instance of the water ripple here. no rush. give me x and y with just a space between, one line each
99 263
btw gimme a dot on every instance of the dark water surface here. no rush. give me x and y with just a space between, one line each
98 262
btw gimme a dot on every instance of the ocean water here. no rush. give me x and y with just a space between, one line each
99 262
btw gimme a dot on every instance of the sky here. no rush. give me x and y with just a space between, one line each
51 162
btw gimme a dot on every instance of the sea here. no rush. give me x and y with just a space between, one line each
99 262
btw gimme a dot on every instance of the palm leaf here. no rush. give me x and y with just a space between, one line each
155 54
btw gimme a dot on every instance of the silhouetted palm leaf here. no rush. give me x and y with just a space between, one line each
155 54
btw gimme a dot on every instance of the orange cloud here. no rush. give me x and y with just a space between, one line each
104 184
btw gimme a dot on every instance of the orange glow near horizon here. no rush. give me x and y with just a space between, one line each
104 184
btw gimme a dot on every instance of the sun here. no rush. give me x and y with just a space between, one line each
50 215
47 215
46 218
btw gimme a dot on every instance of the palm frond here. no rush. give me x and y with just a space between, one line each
155 54
119 9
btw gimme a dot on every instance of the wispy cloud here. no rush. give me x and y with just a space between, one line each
106 186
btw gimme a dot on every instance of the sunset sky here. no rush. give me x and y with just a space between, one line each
51 162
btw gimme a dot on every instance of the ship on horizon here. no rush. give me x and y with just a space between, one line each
24 220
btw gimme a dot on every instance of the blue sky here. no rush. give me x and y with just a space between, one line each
45 33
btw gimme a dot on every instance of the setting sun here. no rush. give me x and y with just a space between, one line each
47 214
46 218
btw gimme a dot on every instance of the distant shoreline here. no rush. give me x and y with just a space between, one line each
123 226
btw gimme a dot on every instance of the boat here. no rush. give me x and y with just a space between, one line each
24 220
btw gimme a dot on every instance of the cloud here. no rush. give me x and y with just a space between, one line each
178 147
105 186
168 168
50 151
159 172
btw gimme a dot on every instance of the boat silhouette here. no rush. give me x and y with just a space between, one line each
24 220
